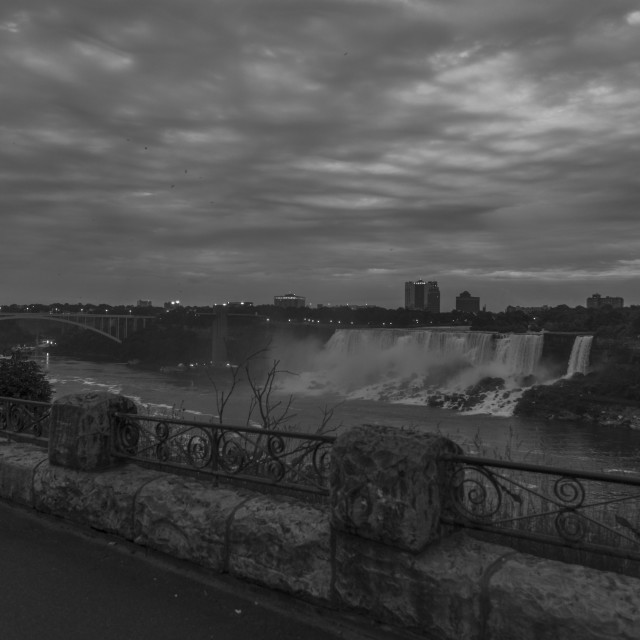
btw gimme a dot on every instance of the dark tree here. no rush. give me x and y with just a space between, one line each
23 379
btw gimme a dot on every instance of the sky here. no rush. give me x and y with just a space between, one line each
226 150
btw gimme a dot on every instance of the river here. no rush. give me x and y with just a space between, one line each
582 446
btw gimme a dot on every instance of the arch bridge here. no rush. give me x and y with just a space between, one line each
114 327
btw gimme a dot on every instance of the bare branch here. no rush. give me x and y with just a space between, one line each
327 416
222 398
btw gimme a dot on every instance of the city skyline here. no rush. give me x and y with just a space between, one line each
209 151
417 296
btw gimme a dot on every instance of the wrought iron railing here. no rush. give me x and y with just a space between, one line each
289 460
25 419
589 511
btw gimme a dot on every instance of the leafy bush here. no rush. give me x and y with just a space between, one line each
23 379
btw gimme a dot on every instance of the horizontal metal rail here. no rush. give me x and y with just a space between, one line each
540 468
288 460
584 510
25 420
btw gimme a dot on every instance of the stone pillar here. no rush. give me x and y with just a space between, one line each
388 486
81 432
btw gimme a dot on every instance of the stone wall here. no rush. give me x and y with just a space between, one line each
345 556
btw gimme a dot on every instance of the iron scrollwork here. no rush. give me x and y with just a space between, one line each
274 457
295 460
478 495
126 436
321 460
199 450
26 417
582 510
569 491
568 522
232 456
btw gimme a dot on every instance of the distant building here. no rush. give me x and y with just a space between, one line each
433 297
144 303
422 295
596 301
290 300
466 303
173 304
239 306
414 294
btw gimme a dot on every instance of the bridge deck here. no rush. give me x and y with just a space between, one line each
113 326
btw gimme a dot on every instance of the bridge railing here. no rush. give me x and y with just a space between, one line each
581 510
25 420
594 512
286 459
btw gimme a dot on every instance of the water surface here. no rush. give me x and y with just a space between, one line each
584 446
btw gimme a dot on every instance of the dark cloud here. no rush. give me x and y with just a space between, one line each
240 149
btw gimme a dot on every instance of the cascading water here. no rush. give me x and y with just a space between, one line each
580 353
519 353
427 367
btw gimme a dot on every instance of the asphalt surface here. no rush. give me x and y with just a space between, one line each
61 582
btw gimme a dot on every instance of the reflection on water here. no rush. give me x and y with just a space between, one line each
584 446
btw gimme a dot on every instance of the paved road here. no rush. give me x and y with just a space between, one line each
59 582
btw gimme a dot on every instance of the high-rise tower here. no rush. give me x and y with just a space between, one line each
414 294
433 297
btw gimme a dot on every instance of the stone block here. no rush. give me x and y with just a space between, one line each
17 465
283 544
187 519
80 435
535 599
438 592
104 501
388 485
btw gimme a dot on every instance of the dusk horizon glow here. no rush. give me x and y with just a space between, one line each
238 150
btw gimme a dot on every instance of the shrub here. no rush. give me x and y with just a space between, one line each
23 379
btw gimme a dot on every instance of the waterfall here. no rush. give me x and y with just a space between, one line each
519 353
579 358
413 344
424 366
454 360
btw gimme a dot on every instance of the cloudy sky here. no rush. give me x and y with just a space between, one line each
212 150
